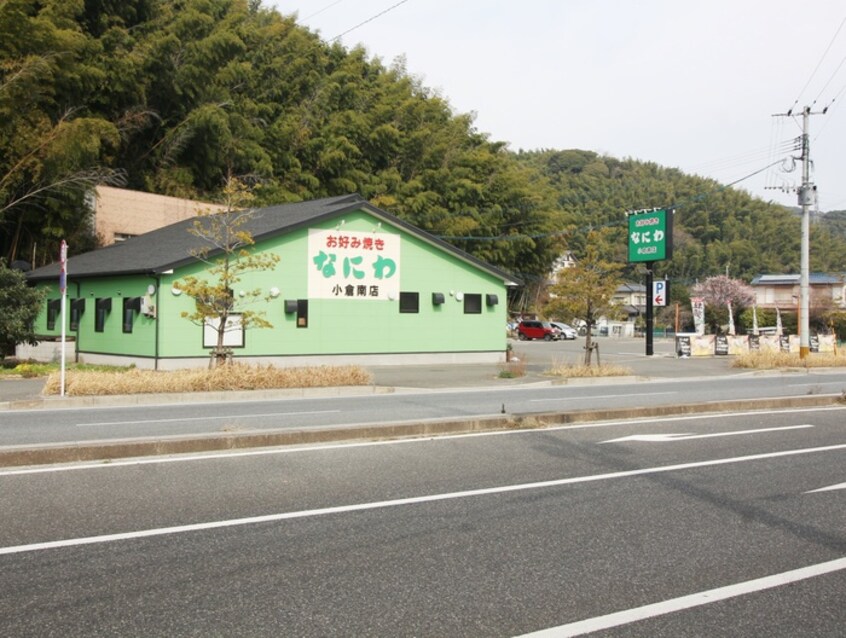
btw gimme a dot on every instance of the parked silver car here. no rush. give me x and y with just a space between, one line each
567 332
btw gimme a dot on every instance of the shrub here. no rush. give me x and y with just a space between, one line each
230 377
569 370
772 360
513 368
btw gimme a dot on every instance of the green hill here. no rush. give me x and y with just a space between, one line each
171 97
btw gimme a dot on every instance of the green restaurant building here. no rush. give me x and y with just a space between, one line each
354 284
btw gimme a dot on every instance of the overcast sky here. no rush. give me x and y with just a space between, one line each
690 85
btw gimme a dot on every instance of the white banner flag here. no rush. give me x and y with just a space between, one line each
698 305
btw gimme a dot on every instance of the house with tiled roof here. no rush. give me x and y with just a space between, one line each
783 290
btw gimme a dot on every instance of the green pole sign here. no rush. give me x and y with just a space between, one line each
650 235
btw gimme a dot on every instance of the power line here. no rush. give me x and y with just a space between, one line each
370 19
748 157
828 108
317 13
760 170
829 82
790 110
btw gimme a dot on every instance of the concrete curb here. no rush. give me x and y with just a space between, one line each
16 456
122 400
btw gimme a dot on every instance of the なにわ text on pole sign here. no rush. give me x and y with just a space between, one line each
650 235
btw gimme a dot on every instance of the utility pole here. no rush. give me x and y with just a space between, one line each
807 196
805 200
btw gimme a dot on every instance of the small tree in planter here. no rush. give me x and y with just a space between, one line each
586 290
228 254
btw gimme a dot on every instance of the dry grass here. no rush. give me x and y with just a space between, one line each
514 368
772 360
570 370
232 377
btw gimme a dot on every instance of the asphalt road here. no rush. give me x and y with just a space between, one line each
690 529
99 423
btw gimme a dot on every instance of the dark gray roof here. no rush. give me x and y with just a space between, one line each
817 278
170 247
629 287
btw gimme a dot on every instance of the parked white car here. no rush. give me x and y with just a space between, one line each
567 332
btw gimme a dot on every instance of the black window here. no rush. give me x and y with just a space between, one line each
54 307
77 307
131 305
102 307
409 302
472 304
302 313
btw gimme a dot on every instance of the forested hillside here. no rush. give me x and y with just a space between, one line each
170 96
716 228
835 221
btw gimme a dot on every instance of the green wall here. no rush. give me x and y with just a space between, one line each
112 340
335 325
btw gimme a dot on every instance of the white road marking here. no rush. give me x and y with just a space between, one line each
227 454
430 498
203 418
679 436
814 385
830 488
601 396
629 616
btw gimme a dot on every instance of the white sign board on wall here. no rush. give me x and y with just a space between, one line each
233 333
344 264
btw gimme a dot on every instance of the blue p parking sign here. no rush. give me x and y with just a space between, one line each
660 292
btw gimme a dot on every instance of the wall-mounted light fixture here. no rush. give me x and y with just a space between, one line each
274 292
175 291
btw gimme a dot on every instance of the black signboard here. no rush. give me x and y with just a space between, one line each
784 343
754 342
721 345
682 346
815 343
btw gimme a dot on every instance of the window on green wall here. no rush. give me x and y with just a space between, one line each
409 302
302 313
102 307
54 307
131 305
472 304
77 307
